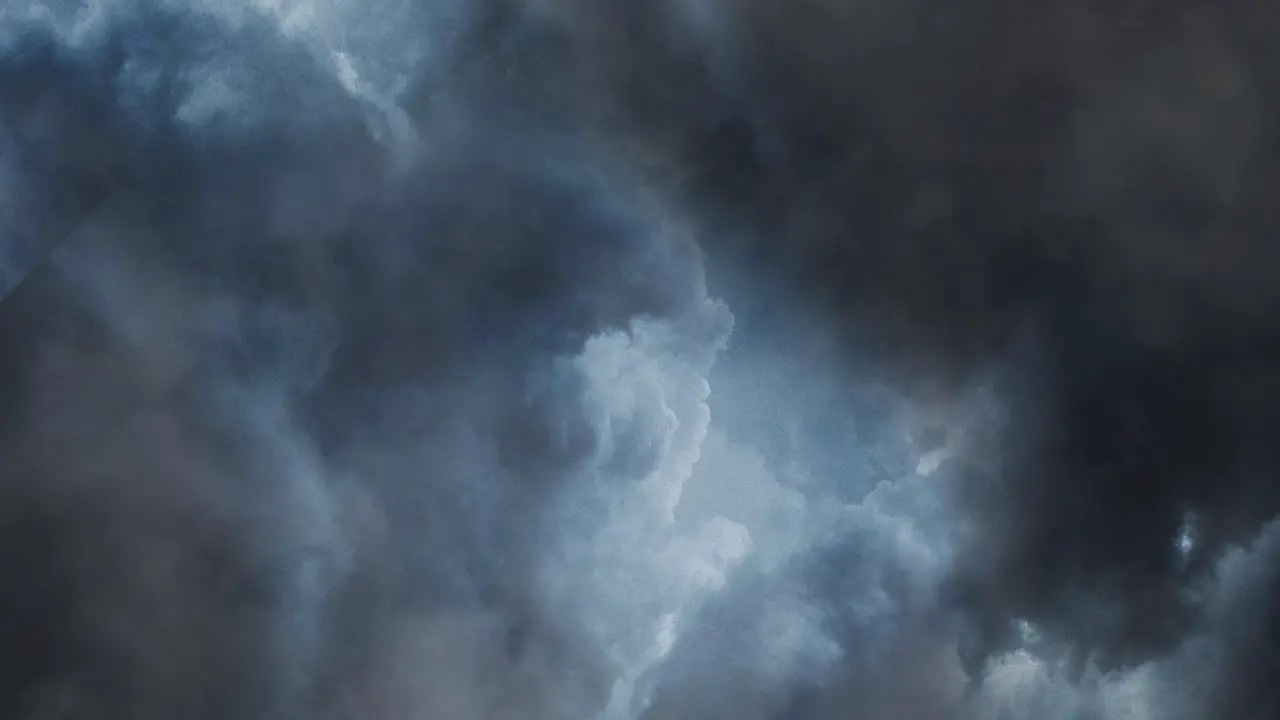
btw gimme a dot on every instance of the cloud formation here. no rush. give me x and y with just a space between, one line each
429 359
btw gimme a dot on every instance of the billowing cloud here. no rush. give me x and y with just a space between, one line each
428 359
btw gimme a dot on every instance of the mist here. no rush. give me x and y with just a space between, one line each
419 359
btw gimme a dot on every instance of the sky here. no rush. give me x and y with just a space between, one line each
563 360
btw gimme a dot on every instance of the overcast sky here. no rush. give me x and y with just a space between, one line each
569 360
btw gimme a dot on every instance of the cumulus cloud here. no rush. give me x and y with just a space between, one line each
428 359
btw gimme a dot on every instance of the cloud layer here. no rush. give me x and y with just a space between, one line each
428 359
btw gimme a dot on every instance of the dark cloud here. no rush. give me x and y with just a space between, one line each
365 365
1071 192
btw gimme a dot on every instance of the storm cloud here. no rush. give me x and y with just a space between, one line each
618 361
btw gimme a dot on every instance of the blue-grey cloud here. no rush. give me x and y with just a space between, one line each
578 360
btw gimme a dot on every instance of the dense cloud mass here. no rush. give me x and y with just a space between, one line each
428 359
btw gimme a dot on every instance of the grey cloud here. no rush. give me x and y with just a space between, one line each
390 380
